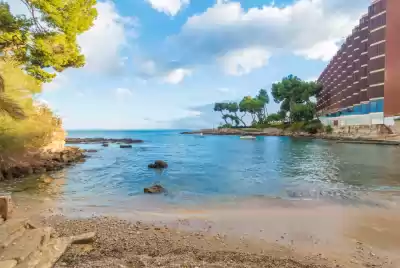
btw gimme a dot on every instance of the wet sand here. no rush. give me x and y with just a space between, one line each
251 233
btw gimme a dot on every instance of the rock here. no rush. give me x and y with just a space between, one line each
155 189
20 249
46 179
8 264
91 151
6 207
105 144
159 164
125 146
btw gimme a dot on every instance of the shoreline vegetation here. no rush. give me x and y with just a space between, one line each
340 137
34 49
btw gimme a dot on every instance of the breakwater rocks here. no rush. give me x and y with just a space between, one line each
41 162
100 141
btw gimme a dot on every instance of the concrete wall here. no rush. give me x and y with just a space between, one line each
372 131
355 120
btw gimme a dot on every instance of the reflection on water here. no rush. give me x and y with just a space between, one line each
220 168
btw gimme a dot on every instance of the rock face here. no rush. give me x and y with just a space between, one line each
41 162
5 207
158 164
24 245
125 146
155 189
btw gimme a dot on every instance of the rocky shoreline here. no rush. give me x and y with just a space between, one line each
275 132
40 162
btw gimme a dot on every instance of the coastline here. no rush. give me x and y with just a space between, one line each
281 234
40 162
275 132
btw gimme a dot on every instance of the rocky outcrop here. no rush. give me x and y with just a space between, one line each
125 146
41 162
155 189
6 207
24 245
90 151
159 164
100 141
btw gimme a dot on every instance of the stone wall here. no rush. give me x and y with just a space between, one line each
363 131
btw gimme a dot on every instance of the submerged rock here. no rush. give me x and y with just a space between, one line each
125 146
159 164
91 151
105 145
46 179
155 189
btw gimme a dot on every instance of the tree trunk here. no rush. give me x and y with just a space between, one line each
241 119
224 118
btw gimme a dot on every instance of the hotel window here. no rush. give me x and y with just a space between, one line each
377 50
377 22
377 36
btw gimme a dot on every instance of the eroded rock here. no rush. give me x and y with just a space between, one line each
6 207
155 189
159 164
125 146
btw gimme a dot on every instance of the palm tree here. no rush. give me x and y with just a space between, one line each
8 106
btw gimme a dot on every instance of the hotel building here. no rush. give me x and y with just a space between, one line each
361 84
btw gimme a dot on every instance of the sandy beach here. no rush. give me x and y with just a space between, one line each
253 233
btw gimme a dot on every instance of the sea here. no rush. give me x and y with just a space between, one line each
218 169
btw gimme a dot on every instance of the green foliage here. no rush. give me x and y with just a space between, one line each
328 129
294 96
303 112
296 126
46 40
292 93
277 117
225 126
39 124
313 127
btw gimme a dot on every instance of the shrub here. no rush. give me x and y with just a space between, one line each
36 130
329 129
225 126
296 127
313 127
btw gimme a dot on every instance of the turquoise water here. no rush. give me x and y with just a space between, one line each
205 168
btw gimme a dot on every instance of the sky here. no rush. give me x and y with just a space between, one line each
160 64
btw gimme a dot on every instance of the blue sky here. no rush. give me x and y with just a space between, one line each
162 63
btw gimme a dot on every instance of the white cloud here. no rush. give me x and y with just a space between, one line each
243 61
103 42
58 82
123 92
311 79
241 40
169 7
176 76
192 113
223 89
41 102
324 50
